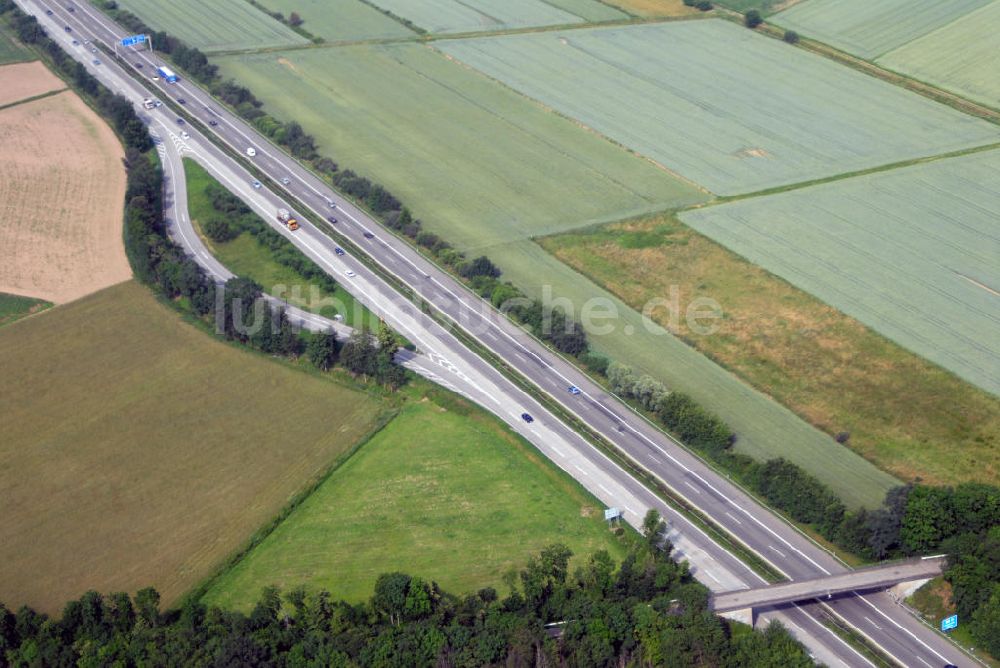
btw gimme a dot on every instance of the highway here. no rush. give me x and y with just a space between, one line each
890 627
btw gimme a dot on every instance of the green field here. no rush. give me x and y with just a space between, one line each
479 162
15 307
12 51
912 253
444 491
765 428
245 257
139 451
960 57
723 106
450 16
867 29
793 347
341 20
219 25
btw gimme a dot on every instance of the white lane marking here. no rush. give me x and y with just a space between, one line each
557 451
776 550
696 490
606 490
872 623
577 467
920 659
733 518
901 627
630 510
709 574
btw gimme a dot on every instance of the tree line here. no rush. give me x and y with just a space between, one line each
646 610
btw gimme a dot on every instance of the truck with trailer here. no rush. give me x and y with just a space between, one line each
166 74
285 218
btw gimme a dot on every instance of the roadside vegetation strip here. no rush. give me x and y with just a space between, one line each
341 20
960 57
911 253
746 112
15 307
21 82
216 25
444 490
765 429
59 248
888 404
478 162
869 29
444 16
108 466
247 255
12 51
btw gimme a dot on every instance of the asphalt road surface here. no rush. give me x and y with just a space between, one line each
876 616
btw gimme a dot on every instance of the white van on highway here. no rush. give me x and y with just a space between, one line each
251 152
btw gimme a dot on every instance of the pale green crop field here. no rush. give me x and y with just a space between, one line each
868 29
480 162
219 25
341 20
912 253
961 57
728 108
450 16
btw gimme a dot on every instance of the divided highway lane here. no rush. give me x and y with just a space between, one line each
899 634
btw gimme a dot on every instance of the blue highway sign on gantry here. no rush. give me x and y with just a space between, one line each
133 39
949 623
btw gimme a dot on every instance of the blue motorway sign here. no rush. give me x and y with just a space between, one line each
133 39
949 623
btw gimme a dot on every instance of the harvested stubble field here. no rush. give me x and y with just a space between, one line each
655 8
445 492
478 162
911 252
765 428
903 413
723 106
341 20
215 25
868 29
138 451
451 16
61 191
960 57
20 81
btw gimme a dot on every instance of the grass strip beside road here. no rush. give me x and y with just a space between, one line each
444 491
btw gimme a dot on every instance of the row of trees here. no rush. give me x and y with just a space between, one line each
644 611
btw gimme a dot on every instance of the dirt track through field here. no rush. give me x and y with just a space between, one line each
24 80
62 185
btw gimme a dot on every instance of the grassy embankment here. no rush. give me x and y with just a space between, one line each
444 491
245 257
15 307
903 413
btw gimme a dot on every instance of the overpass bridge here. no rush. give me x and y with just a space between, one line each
741 604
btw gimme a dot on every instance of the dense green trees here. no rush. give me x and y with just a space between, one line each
645 611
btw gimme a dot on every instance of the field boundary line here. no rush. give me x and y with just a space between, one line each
726 199
35 98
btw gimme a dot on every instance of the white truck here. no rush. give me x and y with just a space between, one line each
285 218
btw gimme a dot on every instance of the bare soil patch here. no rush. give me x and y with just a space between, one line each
62 185
23 80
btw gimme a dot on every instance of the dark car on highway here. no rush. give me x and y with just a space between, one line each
180 121
369 235
138 66
527 417
181 100
213 122
332 220
339 251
